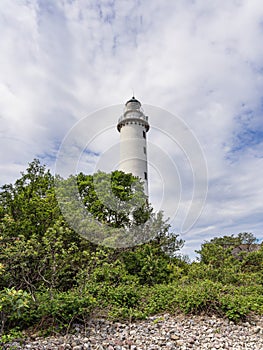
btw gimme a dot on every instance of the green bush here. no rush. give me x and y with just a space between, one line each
55 311
65 305
238 302
124 296
12 305
201 296
160 298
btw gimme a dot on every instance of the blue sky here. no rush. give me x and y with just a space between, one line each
201 61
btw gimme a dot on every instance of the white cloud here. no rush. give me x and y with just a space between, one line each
62 60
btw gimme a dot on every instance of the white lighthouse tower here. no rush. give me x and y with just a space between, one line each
133 126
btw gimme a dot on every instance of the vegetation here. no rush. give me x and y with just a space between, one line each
50 276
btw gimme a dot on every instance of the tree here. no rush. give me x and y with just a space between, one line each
39 248
247 238
30 203
116 199
225 250
215 254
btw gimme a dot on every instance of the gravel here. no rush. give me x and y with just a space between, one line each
158 332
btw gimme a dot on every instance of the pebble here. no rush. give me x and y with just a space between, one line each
165 332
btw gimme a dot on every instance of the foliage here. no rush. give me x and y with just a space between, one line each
150 264
221 250
117 199
12 304
50 276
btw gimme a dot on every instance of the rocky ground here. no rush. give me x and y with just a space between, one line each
159 332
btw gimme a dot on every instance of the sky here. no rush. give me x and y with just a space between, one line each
67 67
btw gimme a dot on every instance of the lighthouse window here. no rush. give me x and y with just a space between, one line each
144 150
145 176
144 134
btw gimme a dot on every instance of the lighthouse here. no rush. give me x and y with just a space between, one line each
133 127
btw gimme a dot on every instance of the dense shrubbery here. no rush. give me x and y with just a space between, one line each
51 277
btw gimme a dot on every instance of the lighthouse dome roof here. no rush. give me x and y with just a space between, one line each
133 99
